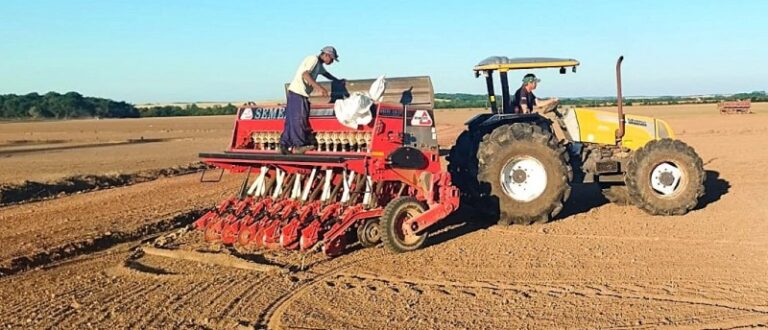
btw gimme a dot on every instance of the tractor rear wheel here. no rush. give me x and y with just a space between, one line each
393 233
462 164
524 172
369 233
665 177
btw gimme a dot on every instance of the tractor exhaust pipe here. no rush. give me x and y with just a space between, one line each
619 102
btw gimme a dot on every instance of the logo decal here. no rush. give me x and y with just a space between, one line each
636 122
421 118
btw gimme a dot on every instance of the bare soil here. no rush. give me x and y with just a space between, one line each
598 265
51 151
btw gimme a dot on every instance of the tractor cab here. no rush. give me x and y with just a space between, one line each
504 64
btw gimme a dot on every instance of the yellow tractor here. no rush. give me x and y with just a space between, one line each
521 166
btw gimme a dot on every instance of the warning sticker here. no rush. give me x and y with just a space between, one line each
421 118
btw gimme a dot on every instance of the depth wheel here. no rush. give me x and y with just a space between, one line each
665 177
395 236
369 233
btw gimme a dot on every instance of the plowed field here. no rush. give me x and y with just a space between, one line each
72 262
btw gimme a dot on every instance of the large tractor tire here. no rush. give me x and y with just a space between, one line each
525 173
616 193
665 177
462 164
395 237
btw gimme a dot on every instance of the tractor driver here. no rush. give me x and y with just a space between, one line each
296 132
524 101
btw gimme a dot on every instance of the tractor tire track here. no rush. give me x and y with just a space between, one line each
586 291
148 318
90 286
233 308
272 315
507 231
107 302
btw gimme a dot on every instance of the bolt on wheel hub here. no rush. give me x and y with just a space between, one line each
519 176
665 179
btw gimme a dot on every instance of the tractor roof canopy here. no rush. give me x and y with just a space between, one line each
503 63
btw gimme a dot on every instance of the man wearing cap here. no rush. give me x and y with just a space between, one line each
296 132
524 101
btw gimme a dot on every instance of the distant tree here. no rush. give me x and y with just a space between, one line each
69 105
188 110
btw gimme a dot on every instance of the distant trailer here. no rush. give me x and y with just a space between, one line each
734 107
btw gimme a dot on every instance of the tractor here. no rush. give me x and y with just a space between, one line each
382 181
521 167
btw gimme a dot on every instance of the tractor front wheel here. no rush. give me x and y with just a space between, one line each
665 177
394 233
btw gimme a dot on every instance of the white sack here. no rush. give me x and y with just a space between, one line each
356 109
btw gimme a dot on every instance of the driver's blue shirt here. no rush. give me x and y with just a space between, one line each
522 98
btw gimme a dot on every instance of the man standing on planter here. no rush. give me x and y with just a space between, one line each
296 132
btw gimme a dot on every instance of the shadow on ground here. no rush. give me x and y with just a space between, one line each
715 188
584 198
462 222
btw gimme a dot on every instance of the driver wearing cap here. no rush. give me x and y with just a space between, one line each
296 132
524 101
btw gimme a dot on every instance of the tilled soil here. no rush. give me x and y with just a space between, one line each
29 191
598 266
48 152
36 233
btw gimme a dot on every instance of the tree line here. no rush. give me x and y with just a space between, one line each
62 106
73 105
188 110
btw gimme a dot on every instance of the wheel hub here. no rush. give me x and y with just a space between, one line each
519 176
372 232
524 178
408 236
665 179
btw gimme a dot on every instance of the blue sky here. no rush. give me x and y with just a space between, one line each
162 51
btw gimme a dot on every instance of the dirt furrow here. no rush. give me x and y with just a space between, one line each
40 233
99 243
31 191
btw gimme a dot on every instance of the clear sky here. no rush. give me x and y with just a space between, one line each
189 50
